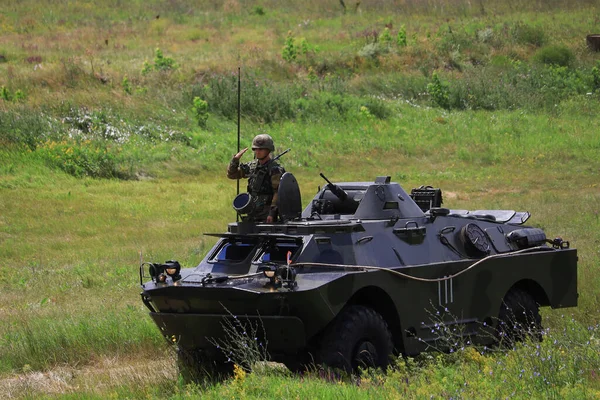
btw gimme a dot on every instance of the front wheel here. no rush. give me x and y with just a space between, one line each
196 366
519 318
358 338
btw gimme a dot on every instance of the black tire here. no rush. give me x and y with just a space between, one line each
196 366
519 318
302 362
358 338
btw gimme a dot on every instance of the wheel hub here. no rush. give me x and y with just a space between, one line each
365 355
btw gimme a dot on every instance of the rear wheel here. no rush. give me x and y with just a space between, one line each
358 338
519 318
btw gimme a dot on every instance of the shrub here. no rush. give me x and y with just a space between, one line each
83 124
596 76
95 159
401 37
126 85
365 113
261 100
521 86
19 95
386 37
289 51
485 35
306 48
161 63
438 91
258 10
200 109
527 34
372 51
555 55
377 108
246 343
393 86
146 68
26 127
5 94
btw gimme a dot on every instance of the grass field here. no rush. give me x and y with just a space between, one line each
117 120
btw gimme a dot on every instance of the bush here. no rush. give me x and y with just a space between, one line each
392 86
527 34
324 105
258 10
540 87
386 37
401 37
378 108
555 55
262 101
161 63
26 127
290 50
438 91
372 51
596 76
200 109
126 85
96 159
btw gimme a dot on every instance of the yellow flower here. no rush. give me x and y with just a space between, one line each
238 373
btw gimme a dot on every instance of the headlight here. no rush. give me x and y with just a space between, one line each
172 269
269 273
159 272
280 275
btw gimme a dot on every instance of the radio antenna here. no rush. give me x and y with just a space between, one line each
238 119
237 215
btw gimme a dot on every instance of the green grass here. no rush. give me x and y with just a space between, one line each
538 370
92 174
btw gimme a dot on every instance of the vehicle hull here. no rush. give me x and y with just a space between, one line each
290 321
379 264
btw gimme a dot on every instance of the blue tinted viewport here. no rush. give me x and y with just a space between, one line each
278 252
234 252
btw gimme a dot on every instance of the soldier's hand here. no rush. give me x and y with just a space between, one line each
240 154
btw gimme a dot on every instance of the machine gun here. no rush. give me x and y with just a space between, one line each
345 205
335 189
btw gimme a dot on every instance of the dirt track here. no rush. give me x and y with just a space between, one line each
93 378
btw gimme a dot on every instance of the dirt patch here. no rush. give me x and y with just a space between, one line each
95 378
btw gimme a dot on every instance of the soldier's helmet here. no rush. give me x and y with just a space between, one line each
263 141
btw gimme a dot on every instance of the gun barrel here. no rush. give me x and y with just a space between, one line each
335 189
277 158
327 180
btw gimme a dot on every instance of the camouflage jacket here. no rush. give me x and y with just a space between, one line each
263 182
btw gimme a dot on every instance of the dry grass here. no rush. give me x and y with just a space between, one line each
99 377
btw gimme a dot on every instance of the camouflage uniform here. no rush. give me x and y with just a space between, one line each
263 182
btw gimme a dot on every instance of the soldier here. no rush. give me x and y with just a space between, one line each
263 178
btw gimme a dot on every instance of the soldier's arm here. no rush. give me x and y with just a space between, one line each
233 170
276 173
237 170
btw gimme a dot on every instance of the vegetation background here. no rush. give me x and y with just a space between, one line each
117 120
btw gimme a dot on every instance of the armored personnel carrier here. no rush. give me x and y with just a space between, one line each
364 272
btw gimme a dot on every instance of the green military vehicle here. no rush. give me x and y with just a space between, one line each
364 272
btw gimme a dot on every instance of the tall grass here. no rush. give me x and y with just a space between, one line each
99 161
530 369
40 343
